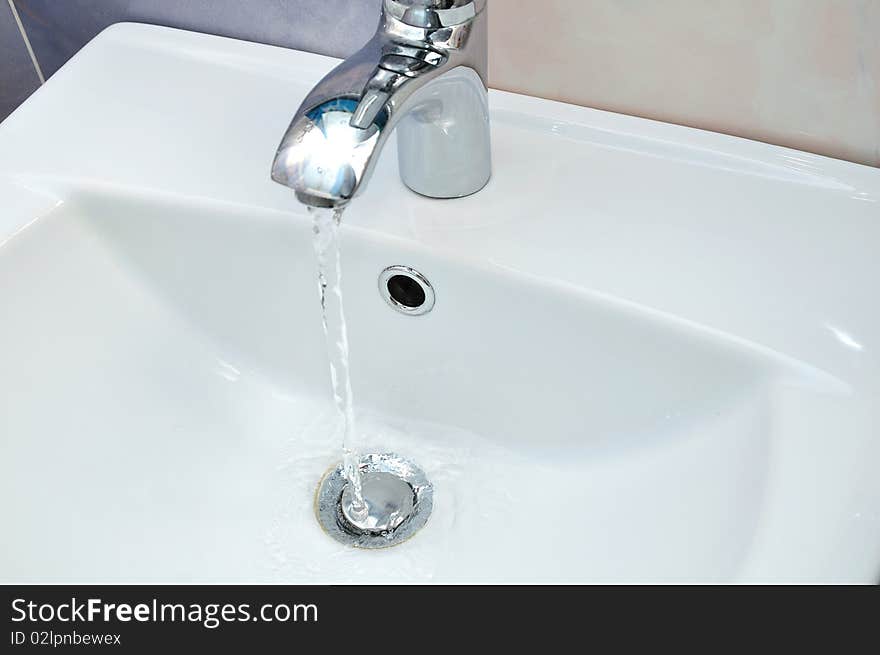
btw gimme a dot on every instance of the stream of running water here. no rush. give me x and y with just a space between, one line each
327 250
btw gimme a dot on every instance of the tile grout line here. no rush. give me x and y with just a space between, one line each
27 42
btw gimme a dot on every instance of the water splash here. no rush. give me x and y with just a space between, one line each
327 250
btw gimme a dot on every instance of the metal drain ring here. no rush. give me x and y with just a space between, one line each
328 505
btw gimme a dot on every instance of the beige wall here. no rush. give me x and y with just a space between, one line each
800 73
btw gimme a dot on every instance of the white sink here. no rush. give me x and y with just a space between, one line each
655 353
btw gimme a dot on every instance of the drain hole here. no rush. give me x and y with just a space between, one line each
406 291
399 500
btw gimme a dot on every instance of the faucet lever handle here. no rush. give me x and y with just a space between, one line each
407 65
376 96
372 102
398 64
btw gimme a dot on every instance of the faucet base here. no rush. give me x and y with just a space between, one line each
444 147
399 501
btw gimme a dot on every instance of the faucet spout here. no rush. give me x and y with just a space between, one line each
423 75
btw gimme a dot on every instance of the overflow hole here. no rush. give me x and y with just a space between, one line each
406 290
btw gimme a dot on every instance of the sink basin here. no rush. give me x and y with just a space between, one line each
653 355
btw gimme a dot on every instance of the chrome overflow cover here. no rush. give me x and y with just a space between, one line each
406 290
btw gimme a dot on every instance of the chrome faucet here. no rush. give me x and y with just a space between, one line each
424 73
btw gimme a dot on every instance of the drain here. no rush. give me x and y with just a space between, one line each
389 501
399 501
406 290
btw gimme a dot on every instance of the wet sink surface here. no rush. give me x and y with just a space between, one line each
651 356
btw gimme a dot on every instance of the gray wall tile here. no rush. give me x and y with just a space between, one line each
18 79
58 29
